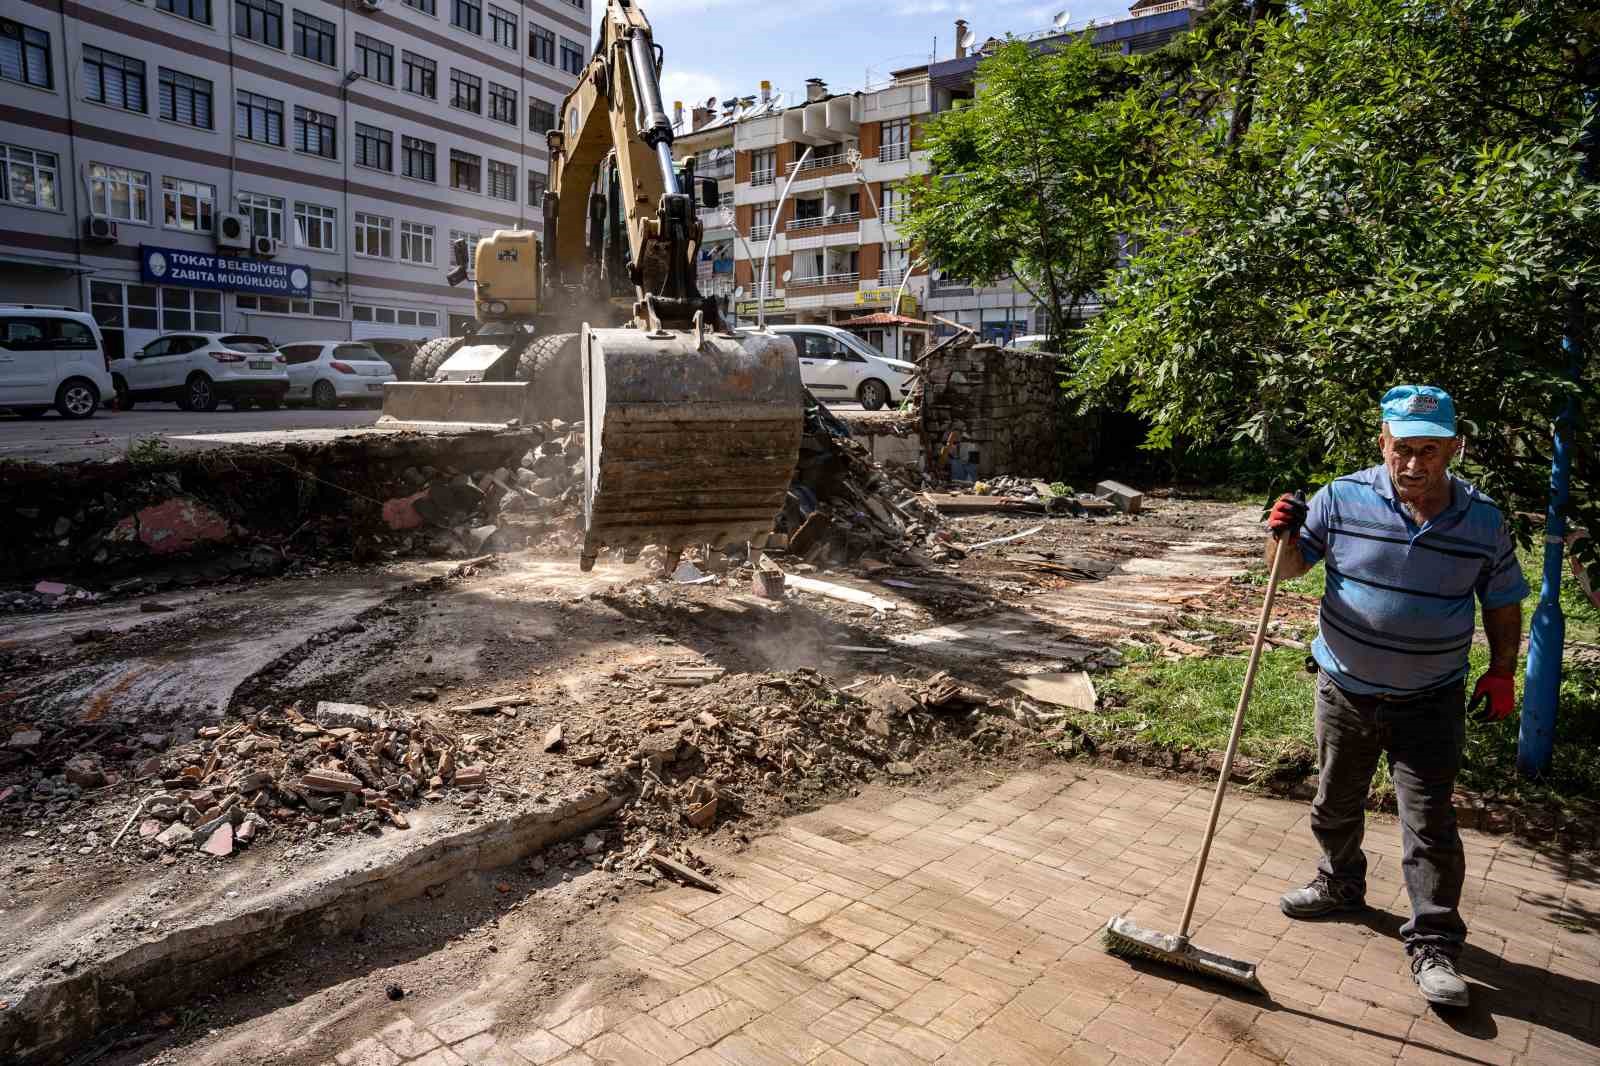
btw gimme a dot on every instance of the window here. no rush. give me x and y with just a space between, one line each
468 15
421 74
187 205
502 180
536 187
472 250
541 116
393 315
541 44
27 177
374 147
116 80
22 333
466 170
375 59
503 26
266 214
576 3
571 56
191 309
315 39
502 103
374 236
427 7
417 158
198 10
278 305
315 133
119 193
260 21
763 167
466 91
258 118
896 140
184 98
416 243
316 227
25 55
761 221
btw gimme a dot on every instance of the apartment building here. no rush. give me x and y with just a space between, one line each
295 168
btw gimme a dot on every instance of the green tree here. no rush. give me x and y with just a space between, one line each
1021 178
1406 205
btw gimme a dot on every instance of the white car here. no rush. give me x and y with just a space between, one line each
51 357
197 371
1029 342
835 364
327 372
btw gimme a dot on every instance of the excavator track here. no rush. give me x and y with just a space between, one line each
690 439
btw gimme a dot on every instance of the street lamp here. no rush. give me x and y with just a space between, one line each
766 255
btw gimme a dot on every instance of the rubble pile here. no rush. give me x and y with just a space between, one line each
843 505
347 768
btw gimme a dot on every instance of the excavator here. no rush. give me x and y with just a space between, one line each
692 428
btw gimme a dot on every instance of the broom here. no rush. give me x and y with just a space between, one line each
1121 936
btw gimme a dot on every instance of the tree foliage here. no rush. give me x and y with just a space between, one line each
1022 179
1407 205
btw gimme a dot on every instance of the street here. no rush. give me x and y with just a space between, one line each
109 434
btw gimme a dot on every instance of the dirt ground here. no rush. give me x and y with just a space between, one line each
696 694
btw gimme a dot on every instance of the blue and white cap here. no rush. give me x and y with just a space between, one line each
1419 411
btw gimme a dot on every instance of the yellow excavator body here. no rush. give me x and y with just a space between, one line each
692 428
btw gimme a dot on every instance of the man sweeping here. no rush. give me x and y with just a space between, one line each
1407 546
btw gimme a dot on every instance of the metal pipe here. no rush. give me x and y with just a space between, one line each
1536 734
772 231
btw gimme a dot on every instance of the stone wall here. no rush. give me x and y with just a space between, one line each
1008 407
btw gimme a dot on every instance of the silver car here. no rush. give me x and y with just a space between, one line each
328 373
197 371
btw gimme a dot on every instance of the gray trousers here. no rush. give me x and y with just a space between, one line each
1423 739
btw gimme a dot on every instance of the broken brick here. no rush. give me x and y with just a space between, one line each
469 777
324 780
220 842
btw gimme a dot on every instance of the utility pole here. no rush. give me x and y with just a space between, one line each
1542 687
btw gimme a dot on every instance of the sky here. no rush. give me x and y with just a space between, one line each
724 48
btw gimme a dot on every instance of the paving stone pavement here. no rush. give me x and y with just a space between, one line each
898 932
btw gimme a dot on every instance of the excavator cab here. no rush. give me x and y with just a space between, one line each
692 429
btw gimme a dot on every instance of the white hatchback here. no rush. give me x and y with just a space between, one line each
328 372
51 357
835 364
197 371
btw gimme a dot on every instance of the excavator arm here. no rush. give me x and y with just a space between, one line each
616 114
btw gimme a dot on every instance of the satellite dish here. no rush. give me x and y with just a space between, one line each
787 274
738 292
831 211
968 39
936 274
1062 18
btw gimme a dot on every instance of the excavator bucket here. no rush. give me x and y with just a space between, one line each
691 438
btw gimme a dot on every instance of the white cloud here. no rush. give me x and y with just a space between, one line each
691 86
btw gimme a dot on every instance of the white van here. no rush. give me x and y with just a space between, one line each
837 365
51 357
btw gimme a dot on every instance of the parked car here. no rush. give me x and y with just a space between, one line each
399 351
197 371
51 357
837 365
328 372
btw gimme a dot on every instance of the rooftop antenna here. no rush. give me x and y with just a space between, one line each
1062 18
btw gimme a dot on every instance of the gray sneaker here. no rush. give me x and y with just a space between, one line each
1322 896
1437 980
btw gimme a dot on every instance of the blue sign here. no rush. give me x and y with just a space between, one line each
205 270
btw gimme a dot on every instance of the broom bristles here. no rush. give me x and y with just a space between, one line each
1123 938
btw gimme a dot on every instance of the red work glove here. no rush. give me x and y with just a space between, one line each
1287 516
1499 692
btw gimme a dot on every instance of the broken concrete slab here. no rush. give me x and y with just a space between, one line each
1075 690
331 715
1125 499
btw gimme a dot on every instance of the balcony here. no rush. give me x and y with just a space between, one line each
763 177
888 278
843 218
760 233
894 152
822 281
817 162
894 212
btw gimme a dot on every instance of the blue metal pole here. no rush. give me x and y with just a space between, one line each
1542 687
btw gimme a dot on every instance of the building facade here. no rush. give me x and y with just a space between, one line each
293 168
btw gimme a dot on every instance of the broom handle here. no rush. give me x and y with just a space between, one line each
1233 739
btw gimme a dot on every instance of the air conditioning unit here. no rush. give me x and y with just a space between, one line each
97 229
371 5
266 247
233 231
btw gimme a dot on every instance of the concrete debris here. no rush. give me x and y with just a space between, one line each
357 716
554 740
23 739
1126 500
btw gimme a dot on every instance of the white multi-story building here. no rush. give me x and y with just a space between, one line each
295 168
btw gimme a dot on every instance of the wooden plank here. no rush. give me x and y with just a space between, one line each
843 593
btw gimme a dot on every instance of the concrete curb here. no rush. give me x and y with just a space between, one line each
54 1018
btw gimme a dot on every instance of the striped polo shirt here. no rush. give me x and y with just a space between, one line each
1397 616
